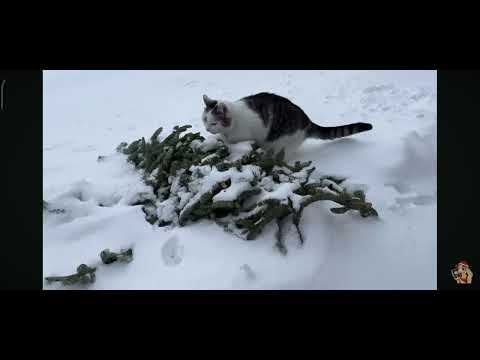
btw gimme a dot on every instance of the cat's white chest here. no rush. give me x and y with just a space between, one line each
247 125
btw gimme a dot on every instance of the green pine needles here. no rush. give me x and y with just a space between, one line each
85 274
195 178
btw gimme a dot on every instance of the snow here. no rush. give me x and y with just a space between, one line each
238 150
166 209
232 192
208 158
333 185
88 113
210 143
282 191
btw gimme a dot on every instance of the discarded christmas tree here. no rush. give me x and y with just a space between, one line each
194 178
109 257
48 208
84 275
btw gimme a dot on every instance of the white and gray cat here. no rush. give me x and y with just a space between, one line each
272 121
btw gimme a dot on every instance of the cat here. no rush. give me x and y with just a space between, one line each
272 121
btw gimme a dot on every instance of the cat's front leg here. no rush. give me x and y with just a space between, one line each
223 138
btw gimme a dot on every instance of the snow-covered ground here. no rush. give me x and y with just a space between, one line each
88 113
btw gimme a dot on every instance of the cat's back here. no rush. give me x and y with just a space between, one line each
278 113
265 100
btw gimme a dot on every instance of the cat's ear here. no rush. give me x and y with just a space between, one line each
210 103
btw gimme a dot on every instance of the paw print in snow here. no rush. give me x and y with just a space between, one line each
172 252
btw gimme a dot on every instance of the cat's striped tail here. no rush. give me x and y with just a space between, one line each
335 132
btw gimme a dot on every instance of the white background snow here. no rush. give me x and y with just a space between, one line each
88 113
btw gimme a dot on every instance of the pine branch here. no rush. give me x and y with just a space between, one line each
84 275
109 257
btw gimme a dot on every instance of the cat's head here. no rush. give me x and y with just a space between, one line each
216 117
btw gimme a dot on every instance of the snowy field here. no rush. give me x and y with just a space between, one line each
88 113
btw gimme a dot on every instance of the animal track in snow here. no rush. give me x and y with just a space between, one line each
408 197
88 148
416 200
287 83
248 272
404 203
400 187
388 98
245 277
191 84
55 146
420 94
172 252
378 88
